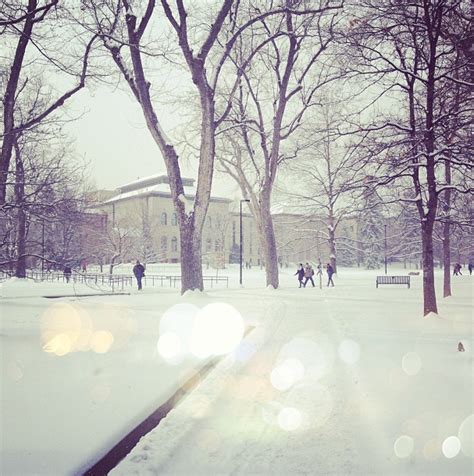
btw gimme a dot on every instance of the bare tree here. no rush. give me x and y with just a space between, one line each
326 172
25 28
280 65
47 196
404 46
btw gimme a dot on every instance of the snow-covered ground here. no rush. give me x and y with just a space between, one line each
344 380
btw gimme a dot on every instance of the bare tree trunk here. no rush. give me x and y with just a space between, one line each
332 242
9 99
447 235
446 259
191 262
429 292
268 242
20 267
112 264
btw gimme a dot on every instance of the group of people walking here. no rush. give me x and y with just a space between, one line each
306 273
457 268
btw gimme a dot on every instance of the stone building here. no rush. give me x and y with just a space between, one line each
144 210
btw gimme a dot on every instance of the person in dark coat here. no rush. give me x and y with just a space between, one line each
139 272
67 273
469 267
457 270
300 273
330 271
308 274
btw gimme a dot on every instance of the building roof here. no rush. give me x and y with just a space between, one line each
151 180
156 186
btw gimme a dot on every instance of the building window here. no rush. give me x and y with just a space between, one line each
209 222
164 218
217 245
208 245
174 244
164 244
174 219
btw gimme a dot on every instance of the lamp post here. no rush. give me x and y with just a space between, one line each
385 247
241 237
42 248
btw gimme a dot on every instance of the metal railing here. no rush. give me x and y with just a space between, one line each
115 280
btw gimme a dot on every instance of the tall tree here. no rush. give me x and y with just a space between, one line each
326 172
25 32
404 45
280 67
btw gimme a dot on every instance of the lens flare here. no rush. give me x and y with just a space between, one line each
218 330
411 363
169 346
314 400
314 351
349 351
466 436
451 447
404 446
287 374
289 419
59 345
101 341
176 331
60 327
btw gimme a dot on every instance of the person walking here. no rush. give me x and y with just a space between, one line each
330 271
308 274
139 272
469 267
67 273
457 269
320 269
300 274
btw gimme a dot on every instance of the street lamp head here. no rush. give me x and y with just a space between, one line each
245 200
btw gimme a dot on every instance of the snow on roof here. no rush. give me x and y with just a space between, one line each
160 189
156 179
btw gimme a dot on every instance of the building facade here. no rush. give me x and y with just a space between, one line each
143 213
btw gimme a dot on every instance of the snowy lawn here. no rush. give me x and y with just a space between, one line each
344 380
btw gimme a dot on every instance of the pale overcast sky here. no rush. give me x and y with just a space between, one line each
112 136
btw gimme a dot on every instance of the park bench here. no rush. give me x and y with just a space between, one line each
392 280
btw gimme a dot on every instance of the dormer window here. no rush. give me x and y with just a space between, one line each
164 218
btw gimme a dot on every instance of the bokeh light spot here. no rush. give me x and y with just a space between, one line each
466 436
349 351
289 419
169 346
218 330
404 446
287 374
101 341
59 345
451 446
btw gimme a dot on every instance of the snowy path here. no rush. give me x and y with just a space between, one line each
361 412
209 433
341 381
